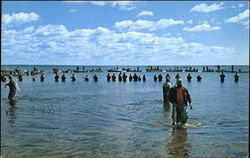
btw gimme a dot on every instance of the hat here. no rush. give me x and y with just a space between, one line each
179 81
10 76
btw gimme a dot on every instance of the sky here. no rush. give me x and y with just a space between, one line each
125 32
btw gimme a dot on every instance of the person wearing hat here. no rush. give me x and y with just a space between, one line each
166 87
12 87
179 97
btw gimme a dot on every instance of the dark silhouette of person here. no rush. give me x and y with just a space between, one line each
20 77
124 77
222 77
120 76
73 78
113 77
63 77
95 78
144 78
199 78
236 77
108 77
56 77
189 77
130 77
12 87
86 78
167 76
155 78
160 77
135 77
139 78
42 77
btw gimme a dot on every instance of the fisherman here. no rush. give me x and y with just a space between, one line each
12 86
86 78
135 77
42 77
189 77
160 77
177 76
56 77
73 78
179 96
124 77
33 78
95 77
130 77
236 77
199 78
222 77
120 76
144 78
20 77
139 78
155 78
167 76
108 77
63 77
113 77
3 78
166 87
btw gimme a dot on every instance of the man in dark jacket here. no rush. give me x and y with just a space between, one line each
179 96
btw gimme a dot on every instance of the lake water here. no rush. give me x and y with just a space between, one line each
124 119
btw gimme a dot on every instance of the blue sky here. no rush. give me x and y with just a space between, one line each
125 32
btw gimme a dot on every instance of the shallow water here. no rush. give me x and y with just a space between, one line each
124 119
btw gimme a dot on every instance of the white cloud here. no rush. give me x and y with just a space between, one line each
242 18
190 21
146 24
202 27
204 8
19 18
99 46
72 10
145 13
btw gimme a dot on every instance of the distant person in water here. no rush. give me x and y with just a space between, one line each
199 78
73 78
144 78
124 77
222 77
166 88
63 77
189 77
108 77
113 77
236 77
95 77
120 76
33 78
160 77
12 86
3 78
167 76
42 77
56 77
20 77
155 78
139 78
177 77
130 77
179 97
135 77
86 78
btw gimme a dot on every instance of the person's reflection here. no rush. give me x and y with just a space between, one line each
178 147
12 111
166 106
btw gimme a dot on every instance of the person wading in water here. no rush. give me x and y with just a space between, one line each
179 96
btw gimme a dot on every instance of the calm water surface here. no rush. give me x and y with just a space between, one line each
124 119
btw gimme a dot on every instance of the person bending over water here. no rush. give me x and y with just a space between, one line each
179 96
12 87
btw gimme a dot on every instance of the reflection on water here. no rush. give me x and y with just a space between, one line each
12 111
179 147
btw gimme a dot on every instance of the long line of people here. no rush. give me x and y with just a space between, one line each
122 77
